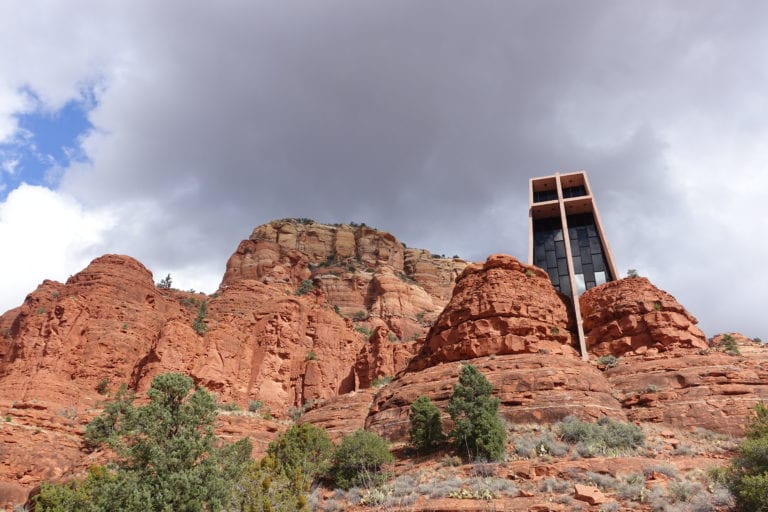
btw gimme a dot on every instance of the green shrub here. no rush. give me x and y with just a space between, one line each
359 316
729 346
305 287
303 453
264 487
426 431
478 430
165 283
311 356
747 477
609 361
199 324
363 330
255 405
632 273
358 460
381 381
102 387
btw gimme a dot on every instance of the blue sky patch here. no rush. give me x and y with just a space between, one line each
45 143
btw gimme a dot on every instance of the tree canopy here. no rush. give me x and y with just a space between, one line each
168 458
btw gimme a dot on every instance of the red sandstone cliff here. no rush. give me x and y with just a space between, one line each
368 313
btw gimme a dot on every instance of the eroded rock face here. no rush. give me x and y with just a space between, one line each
383 355
631 314
499 307
366 273
71 344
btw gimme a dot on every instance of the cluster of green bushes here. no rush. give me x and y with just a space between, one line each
168 458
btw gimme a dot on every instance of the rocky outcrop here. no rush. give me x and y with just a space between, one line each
367 274
70 345
631 314
499 307
343 414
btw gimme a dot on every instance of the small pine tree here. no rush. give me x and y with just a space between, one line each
165 283
478 430
426 431
199 324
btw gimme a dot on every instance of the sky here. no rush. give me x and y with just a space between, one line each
169 130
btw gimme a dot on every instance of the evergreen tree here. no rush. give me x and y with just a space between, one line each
168 455
426 430
303 453
478 430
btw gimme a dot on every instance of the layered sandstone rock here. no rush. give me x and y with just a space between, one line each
688 389
506 318
365 273
631 314
499 307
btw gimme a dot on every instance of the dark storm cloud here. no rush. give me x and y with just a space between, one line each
422 118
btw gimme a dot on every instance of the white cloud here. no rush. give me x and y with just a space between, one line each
45 235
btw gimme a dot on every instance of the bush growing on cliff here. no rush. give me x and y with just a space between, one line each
478 430
305 287
426 430
199 324
168 456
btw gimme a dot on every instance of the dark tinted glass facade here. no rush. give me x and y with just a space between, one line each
589 264
588 257
549 252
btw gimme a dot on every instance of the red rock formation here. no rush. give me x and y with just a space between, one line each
500 307
382 355
687 389
110 325
343 414
361 271
68 344
630 314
